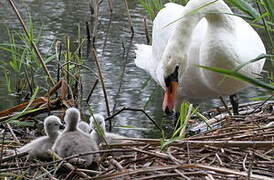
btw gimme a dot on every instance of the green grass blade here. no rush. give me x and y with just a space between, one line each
239 76
260 57
26 108
245 7
269 6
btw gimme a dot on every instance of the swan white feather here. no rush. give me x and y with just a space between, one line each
209 37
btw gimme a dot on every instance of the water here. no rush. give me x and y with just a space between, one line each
61 18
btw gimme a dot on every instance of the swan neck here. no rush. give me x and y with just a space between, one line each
215 12
71 127
52 135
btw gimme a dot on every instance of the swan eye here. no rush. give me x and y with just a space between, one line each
173 77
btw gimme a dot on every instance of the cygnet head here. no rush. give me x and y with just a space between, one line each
72 117
51 125
97 120
84 126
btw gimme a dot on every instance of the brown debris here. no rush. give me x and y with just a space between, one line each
241 147
41 104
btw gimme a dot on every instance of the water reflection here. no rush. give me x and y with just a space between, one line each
126 84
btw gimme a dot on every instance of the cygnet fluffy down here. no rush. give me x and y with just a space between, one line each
74 141
97 125
84 126
39 147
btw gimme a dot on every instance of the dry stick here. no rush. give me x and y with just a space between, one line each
176 161
155 154
243 163
92 172
249 172
9 158
131 109
13 134
122 73
230 133
223 144
146 31
94 8
61 160
110 6
209 177
2 146
31 41
69 166
106 35
70 175
92 89
88 32
219 159
48 173
138 171
160 176
68 57
222 100
129 18
241 144
116 164
28 80
102 84
78 65
58 58
188 154
229 171
265 101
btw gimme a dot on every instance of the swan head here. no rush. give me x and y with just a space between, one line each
171 85
52 125
72 117
97 120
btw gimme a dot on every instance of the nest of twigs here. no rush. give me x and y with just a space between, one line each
241 147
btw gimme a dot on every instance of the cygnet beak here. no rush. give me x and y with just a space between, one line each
62 126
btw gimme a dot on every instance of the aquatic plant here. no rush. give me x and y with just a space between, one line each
187 111
21 69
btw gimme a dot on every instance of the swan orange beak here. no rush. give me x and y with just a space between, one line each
170 97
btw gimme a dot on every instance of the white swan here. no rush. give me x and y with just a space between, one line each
98 127
39 147
201 33
74 141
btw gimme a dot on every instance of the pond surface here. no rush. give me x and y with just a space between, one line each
127 85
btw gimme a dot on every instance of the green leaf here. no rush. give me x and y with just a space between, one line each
245 7
269 6
239 76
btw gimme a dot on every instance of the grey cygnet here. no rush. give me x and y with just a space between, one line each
39 147
74 141
84 126
97 124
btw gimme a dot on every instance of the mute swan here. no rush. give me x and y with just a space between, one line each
39 147
202 33
84 127
97 123
74 141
